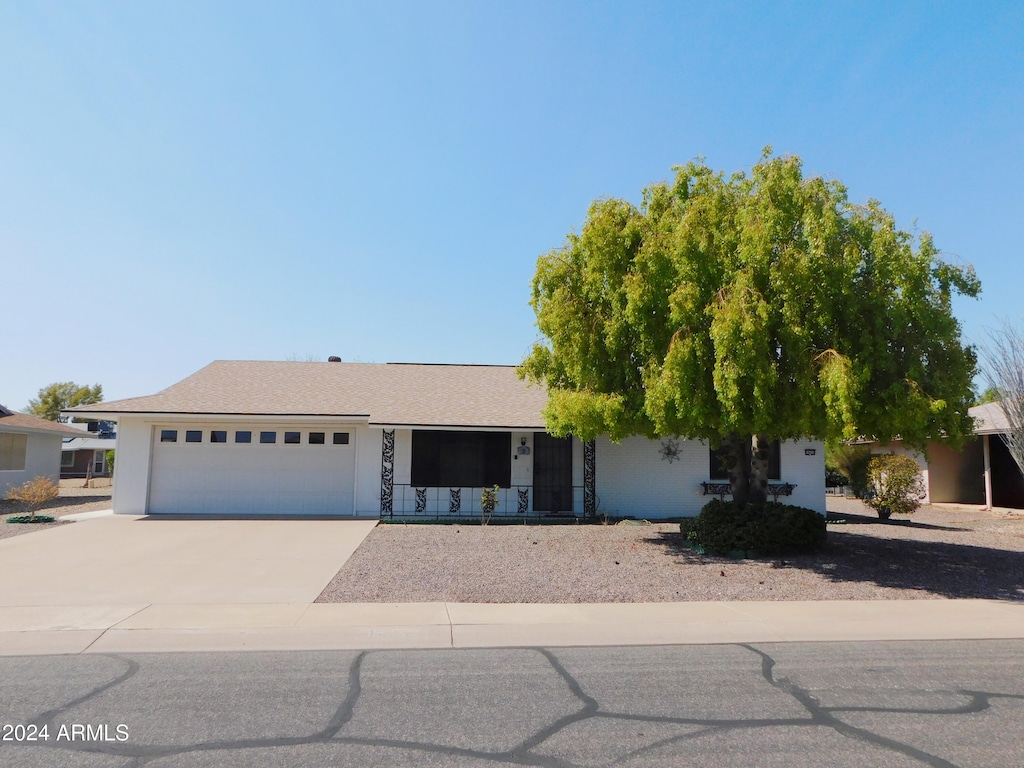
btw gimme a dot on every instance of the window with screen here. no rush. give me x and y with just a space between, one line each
13 449
461 459
718 469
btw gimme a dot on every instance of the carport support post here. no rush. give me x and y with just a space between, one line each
988 472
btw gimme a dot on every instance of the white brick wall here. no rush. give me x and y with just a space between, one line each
634 480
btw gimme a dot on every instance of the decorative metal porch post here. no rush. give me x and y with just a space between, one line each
589 484
387 474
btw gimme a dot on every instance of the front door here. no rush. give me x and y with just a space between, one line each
552 473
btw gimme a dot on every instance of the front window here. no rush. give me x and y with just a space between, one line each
12 451
719 471
461 459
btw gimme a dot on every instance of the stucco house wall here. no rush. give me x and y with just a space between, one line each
956 477
32 448
42 459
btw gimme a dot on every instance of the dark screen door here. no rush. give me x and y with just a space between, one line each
552 473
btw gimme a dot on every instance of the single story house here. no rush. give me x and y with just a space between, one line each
398 440
983 472
86 455
29 448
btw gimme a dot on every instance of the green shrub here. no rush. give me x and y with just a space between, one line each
896 485
770 528
488 503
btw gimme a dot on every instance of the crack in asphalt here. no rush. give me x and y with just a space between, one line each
523 752
823 716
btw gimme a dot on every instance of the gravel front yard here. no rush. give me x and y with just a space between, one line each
73 498
936 553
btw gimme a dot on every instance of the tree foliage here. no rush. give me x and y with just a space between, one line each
61 395
851 461
750 308
1004 364
990 395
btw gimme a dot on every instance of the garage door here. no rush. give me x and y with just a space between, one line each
253 470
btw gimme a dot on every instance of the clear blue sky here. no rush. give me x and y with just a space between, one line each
189 181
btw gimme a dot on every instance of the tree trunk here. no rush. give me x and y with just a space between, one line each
735 452
760 446
746 457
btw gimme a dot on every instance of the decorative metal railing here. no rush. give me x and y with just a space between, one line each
444 502
722 489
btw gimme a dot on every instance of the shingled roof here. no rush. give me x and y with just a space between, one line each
989 419
22 422
397 394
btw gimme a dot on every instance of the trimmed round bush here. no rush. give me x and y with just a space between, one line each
896 485
769 528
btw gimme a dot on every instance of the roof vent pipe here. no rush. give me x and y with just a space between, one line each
333 359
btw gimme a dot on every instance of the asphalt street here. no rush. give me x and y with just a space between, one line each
789 704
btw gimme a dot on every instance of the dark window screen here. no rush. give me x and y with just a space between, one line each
719 471
461 459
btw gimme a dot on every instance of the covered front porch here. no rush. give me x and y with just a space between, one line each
441 475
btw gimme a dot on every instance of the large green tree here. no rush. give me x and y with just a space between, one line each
746 309
54 398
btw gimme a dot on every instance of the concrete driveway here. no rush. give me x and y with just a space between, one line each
131 560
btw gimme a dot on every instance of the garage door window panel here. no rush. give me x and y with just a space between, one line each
268 438
193 436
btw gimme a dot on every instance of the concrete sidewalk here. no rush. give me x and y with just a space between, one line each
139 628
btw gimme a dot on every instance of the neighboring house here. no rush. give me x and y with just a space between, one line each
86 455
397 440
29 448
982 473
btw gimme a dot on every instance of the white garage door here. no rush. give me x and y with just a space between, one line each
253 470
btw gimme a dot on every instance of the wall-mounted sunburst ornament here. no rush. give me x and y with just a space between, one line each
669 450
